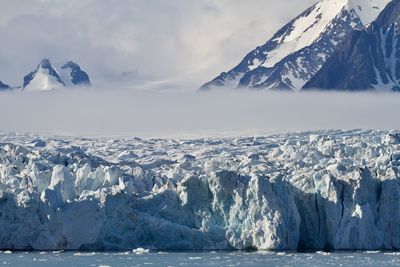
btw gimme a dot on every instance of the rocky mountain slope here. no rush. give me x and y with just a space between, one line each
368 59
298 51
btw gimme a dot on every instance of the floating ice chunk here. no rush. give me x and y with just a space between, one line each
82 254
140 251
323 253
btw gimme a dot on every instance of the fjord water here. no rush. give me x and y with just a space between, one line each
255 259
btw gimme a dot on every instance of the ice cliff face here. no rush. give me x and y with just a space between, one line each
321 190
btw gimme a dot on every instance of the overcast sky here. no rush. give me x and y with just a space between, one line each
174 41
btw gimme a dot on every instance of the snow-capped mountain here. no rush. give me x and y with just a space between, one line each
300 49
368 59
72 75
45 77
52 77
4 86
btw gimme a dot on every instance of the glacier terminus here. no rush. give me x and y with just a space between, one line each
333 190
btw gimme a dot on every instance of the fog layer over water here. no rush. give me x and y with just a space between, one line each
160 114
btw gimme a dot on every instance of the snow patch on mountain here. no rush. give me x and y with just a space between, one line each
304 30
308 28
367 10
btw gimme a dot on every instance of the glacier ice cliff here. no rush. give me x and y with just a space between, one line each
316 190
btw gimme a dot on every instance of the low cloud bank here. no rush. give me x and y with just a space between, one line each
161 114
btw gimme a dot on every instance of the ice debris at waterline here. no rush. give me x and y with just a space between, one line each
319 190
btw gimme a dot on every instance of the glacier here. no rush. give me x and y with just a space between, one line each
322 190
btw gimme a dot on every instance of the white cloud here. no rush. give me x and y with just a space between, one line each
174 40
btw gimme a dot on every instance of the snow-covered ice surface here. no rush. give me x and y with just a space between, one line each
315 190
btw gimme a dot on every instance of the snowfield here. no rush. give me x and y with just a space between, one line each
316 190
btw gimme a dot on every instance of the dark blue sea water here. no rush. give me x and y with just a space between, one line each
220 259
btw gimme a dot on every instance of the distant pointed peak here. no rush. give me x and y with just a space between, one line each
70 64
49 76
45 63
45 77
77 76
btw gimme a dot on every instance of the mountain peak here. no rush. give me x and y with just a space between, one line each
45 63
48 76
44 78
298 50
70 64
367 59
367 10
75 74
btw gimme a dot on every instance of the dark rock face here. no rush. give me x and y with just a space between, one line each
367 59
294 69
78 76
346 70
4 86
345 54
297 68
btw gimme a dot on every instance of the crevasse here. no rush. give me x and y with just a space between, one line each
319 190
